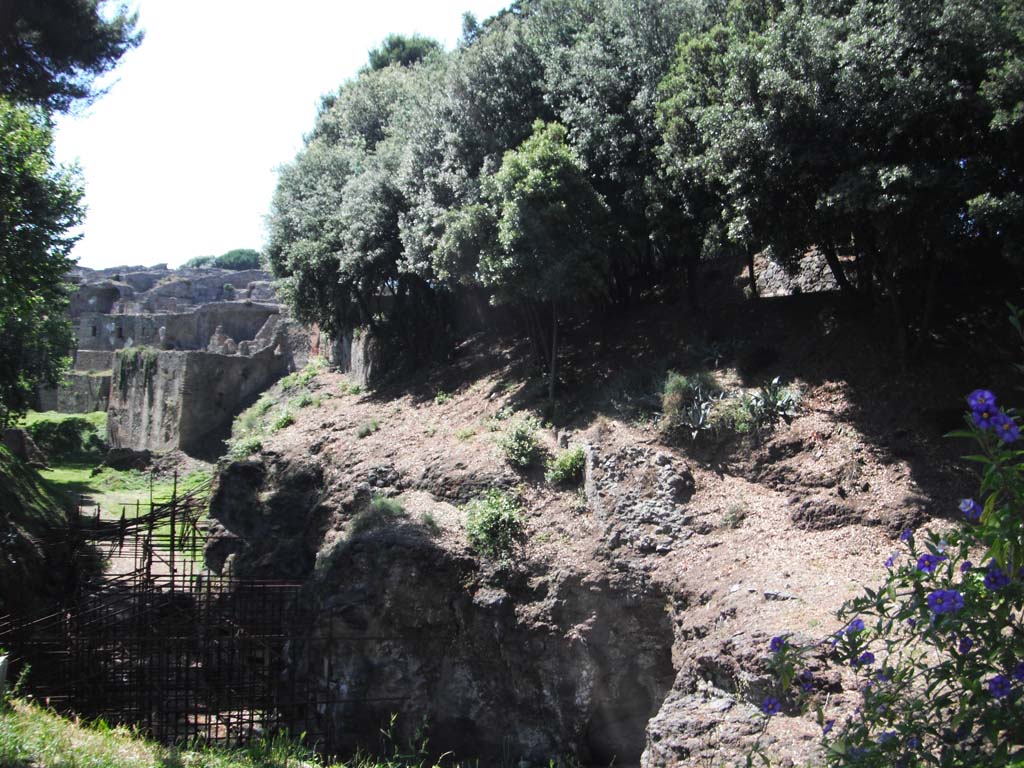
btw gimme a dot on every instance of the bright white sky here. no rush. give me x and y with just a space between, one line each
180 157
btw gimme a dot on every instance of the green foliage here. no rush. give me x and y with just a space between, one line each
64 436
520 443
734 516
348 388
302 401
302 378
402 50
283 420
465 433
245 447
442 397
567 467
494 523
132 362
368 428
51 54
773 403
383 511
40 204
238 259
680 391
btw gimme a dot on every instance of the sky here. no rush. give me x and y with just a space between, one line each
179 158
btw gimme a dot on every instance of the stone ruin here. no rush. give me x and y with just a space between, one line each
173 355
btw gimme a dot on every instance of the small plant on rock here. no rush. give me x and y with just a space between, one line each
567 467
773 403
494 523
520 443
247 446
368 428
442 397
282 421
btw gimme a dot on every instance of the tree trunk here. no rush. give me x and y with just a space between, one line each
751 273
553 371
832 259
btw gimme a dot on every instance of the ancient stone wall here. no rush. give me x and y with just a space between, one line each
189 330
146 399
93 360
83 393
358 355
163 400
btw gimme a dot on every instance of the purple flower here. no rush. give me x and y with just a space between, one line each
1005 427
999 687
995 577
865 659
985 417
913 742
965 566
890 561
965 644
907 536
980 399
1018 671
770 706
971 509
828 726
929 562
884 675
855 626
945 601
886 736
777 644
807 680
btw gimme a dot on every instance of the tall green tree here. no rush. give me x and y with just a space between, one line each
52 51
551 249
402 50
40 202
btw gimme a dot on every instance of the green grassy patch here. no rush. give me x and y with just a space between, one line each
68 436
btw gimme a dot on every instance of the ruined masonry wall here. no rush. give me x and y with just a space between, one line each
145 410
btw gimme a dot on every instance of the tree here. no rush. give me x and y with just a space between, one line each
40 201
52 52
551 247
402 50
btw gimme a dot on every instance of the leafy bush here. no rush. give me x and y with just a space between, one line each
382 511
494 523
282 421
465 433
348 388
368 428
772 403
302 401
732 415
245 447
939 645
63 436
520 443
442 397
304 377
567 467
680 392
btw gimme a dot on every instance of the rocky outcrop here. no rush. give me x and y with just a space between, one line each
410 622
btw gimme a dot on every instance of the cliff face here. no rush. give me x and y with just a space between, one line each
632 623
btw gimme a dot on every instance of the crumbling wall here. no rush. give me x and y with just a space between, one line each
83 393
216 388
163 400
93 360
188 330
356 353
146 399
206 288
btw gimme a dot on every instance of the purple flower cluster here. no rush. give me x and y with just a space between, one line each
945 601
777 644
971 509
995 577
987 416
771 706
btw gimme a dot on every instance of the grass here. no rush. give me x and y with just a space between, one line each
368 428
382 512
112 489
33 736
67 436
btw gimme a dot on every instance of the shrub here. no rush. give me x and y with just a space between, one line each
734 516
520 443
494 523
382 511
732 415
368 428
302 401
63 436
348 388
772 403
442 397
302 378
567 467
282 421
679 391
465 433
938 646
245 447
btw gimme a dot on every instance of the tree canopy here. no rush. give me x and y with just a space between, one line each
884 133
52 52
39 203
